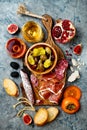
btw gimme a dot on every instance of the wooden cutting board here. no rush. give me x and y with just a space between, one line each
48 25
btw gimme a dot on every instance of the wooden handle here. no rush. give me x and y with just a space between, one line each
48 25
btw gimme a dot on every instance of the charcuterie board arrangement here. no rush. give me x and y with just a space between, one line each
44 79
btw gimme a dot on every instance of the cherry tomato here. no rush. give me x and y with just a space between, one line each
73 91
70 105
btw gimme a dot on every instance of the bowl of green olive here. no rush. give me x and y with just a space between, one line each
41 58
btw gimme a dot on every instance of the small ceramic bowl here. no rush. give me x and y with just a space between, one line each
15 47
41 58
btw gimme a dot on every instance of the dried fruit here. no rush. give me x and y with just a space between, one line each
63 31
12 28
14 65
77 49
14 74
27 119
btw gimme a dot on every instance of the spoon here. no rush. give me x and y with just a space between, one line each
23 10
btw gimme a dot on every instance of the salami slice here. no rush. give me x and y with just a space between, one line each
27 87
60 69
34 80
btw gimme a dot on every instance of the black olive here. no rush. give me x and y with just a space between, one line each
14 74
14 65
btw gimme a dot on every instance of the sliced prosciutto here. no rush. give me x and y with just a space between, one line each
50 86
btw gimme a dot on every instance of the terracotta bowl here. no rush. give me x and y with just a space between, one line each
15 47
33 68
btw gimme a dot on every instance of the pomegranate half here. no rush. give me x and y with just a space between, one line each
63 31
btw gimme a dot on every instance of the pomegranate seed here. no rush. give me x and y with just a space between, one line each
66 24
70 54
56 32
67 51
71 47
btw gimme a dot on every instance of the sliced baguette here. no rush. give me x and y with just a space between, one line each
10 87
52 113
41 117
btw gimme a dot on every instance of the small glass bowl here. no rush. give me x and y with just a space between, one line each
32 32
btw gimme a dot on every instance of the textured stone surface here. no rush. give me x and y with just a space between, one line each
76 11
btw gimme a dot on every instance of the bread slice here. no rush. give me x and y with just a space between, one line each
52 113
41 117
10 87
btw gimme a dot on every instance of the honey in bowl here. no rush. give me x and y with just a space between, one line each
32 32
16 47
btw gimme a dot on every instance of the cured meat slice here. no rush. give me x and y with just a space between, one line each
34 80
49 76
27 86
55 98
60 69
49 87
45 94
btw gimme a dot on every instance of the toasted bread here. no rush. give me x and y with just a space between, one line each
52 113
41 117
10 87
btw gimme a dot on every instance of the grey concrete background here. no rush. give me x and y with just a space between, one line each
76 11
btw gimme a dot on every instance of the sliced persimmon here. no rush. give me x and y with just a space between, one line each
70 105
73 91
